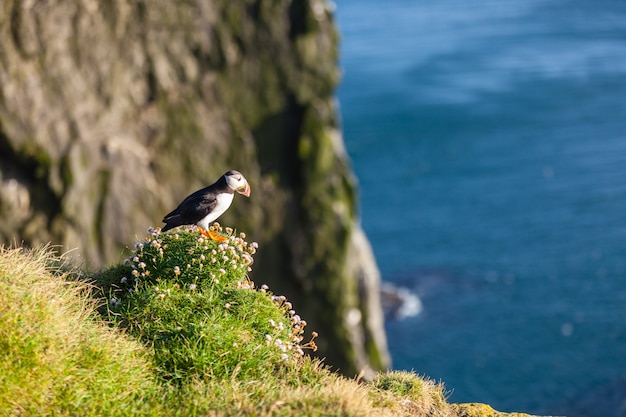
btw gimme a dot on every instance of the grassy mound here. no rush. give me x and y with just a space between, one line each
190 300
178 329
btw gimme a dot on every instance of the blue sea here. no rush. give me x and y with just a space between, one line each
489 140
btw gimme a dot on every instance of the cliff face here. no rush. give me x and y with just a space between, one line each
112 112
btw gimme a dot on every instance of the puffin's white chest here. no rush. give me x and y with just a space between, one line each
224 201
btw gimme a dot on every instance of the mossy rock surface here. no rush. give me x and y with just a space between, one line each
481 410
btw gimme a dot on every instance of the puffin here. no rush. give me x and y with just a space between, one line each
207 204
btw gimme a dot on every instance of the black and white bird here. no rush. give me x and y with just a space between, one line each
206 205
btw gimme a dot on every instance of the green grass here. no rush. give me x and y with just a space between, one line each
190 300
56 355
178 329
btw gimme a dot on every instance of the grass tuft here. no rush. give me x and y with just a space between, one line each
418 394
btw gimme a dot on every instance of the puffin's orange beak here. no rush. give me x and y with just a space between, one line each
245 189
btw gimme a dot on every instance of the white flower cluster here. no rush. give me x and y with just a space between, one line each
294 344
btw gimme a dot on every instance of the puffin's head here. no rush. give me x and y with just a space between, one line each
237 182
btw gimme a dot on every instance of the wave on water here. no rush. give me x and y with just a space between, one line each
399 302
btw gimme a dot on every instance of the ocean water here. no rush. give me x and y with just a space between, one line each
489 139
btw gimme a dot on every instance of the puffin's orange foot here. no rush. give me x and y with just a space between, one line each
214 236
217 237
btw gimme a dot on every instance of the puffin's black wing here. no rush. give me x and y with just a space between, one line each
191 210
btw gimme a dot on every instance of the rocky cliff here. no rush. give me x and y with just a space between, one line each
111 112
